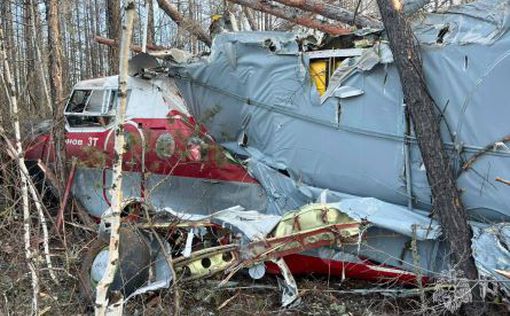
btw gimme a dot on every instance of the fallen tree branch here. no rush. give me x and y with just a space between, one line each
51 177
295 17
11 151
82 214
135 48
507 182
187 24
483 151
63 202
333 12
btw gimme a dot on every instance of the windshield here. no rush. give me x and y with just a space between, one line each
91 108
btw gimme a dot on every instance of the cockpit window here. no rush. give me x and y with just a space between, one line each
91 108
78 101
95 104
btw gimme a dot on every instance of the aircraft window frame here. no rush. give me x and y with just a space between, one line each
102 120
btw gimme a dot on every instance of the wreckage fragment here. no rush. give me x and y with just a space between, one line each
312 227
247 126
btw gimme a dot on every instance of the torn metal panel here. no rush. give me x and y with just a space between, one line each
390 216
380 53
289 286
252 224
357 145
282 192
492 253
478 22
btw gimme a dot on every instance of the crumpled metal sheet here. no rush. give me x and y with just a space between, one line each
391 217
380 53
338 150
491 250
252 224
182 194
356 145
481 22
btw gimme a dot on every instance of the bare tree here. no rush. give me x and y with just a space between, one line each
38 57
187 24
251 19
150 24
57 92
8 80
334 12
113 22
294 17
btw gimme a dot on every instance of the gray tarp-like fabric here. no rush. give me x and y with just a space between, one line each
257 87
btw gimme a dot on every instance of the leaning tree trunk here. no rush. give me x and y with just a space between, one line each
446 198
113 219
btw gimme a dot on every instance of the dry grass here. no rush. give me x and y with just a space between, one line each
320 295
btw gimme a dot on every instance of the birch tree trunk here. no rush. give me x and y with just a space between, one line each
102 303
24 180
251 19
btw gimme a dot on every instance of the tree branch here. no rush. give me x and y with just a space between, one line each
294 17
189 25
333 12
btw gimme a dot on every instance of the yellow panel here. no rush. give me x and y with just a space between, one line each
313 216
318 69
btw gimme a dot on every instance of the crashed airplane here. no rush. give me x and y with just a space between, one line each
272 156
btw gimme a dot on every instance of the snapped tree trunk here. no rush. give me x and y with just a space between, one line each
296 17
135 48
446 200
113 219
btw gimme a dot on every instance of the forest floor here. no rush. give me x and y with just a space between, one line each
319 295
